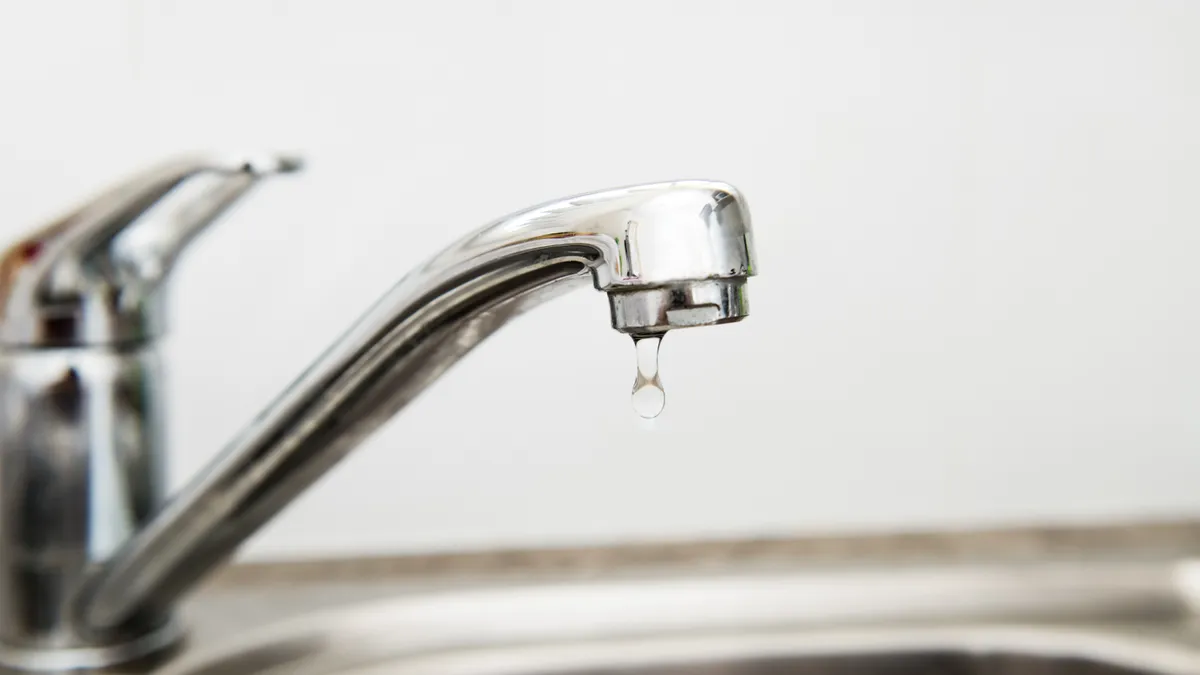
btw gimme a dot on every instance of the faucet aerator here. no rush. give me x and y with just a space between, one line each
685 304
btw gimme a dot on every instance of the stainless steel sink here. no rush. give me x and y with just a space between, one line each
1111 618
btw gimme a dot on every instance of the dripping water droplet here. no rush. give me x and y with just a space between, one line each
648 395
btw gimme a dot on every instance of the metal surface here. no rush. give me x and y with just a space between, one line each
1116 618
83 467
81 448
681 240
82 435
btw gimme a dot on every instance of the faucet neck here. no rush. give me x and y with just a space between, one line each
80 411
676 254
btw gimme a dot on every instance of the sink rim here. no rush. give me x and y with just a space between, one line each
1122 613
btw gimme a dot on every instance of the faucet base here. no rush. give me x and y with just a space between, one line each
59 659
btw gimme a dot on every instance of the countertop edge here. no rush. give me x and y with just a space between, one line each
1179 537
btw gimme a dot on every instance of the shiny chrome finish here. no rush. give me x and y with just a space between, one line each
1064 618
81 447
82 460
659 309
82 432
675 254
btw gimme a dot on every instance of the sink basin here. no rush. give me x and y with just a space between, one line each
1063 618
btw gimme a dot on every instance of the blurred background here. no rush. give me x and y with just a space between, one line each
976 225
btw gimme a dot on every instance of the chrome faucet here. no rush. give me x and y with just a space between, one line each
93 555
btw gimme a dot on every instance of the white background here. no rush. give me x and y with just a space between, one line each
978 226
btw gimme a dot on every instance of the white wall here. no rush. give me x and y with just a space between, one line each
977 225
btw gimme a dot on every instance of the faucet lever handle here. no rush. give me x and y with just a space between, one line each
91 275
145 253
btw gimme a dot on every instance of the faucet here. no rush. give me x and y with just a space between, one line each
93 555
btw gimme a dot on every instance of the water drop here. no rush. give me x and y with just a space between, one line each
649 399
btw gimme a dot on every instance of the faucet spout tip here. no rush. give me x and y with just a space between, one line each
707 302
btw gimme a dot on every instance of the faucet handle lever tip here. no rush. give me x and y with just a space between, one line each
265 163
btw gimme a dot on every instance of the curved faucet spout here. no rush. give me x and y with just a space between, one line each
669 255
